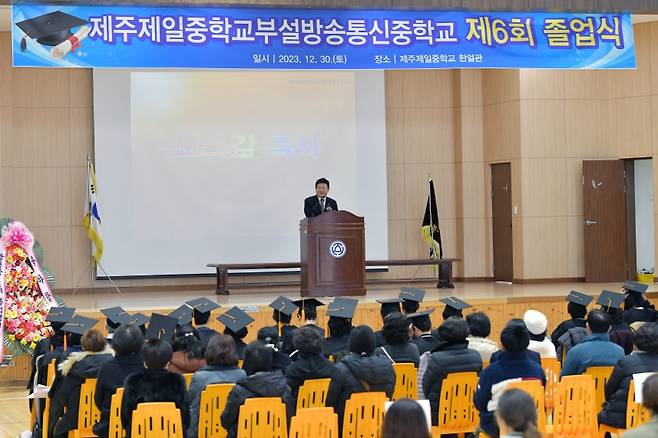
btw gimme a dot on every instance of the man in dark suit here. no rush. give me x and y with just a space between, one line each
320 203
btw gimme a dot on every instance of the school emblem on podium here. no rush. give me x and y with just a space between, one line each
337 249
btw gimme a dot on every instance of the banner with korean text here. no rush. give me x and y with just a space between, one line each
271 38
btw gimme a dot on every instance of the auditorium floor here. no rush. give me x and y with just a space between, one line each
262 296
14 413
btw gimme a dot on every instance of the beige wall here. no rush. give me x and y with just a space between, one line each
449 124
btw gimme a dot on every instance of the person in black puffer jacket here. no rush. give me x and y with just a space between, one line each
642 361
620 333
397 336
453 356
311 363
262 381
154 384
75 369
335 345
360 371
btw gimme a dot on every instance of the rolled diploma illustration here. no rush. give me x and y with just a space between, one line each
63 48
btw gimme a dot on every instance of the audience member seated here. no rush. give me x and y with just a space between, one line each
643 360
421 326
516 415
397 347
188 351
335 346
127 343
285 332
480 327
577 309
405 419
311 364
154 384
360 371
532 355
649 401
270 337
308 311
262 381
636 305
453 356
238 337
74 370
537 325
387 306
620 332
221 367
595 349
512 364
204 332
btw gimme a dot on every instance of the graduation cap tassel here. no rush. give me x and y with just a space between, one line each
24 43
64 341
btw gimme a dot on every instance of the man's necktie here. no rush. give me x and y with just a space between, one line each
322 204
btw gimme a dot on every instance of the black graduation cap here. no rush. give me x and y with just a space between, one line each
235 319
202 305
389 305
455 303
307 303
419 316
412 294
49 29
115 316
138 319
634 286
579 298
283 305
610 299
342 308
183 315
161 327
79 325
60 314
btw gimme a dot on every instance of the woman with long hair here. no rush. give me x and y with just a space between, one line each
405 419
516 415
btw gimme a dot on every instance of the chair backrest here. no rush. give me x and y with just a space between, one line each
211 406
156 420
636 414
536 391
116 428
188 379
88 413
50 378
406 381
552 369
575 412
314 423
313 393
364 414
456 413
263 417
600 376
50 375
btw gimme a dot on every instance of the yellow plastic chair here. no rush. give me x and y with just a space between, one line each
457 414
552 370
313 393
156 420
364 414
536 391
600 376
88 413
115 427
574 413
406 381
240 363
211 406
636 415
50 378
188 379
314 423
263 418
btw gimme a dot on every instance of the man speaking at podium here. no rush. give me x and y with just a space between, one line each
320 203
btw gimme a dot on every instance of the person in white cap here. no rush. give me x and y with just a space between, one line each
537 324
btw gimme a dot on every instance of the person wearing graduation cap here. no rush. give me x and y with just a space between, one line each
636 305
620 332
387 306
340 313
309 313
410 299
72 373
236 321
127 343
115 316
283 308
454 308
421 324
202 307
577 309
269 336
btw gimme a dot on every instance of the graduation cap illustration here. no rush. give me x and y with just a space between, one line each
53 29
579 298
610 299
161 327
183 314
235 319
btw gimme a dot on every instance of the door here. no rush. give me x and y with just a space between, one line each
604 218
501 208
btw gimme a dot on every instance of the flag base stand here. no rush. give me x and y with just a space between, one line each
98 265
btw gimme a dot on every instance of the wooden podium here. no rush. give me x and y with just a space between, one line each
333 255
